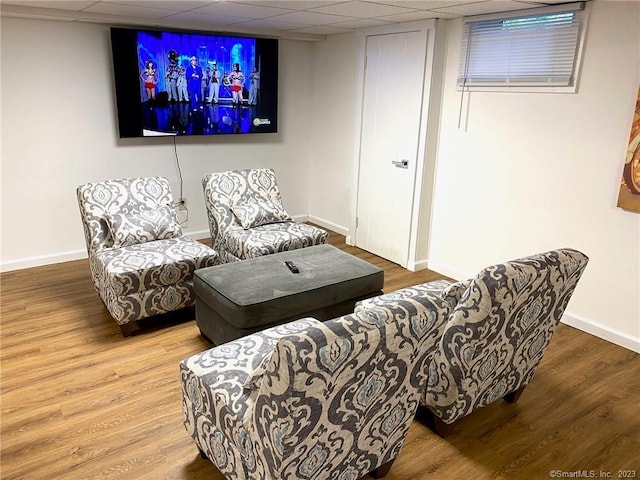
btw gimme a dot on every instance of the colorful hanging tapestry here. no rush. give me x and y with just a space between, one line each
629 197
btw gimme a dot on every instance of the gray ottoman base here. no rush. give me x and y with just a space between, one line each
237 299
218 331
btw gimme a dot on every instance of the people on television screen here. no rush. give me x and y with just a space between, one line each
194 79
206 78
171 76
214 85
149 78
183 93
254 86
236 78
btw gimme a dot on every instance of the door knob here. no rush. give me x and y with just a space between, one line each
400 163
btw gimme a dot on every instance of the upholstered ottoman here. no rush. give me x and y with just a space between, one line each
236 299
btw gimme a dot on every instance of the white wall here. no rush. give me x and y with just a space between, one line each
533 172
335 70
59 131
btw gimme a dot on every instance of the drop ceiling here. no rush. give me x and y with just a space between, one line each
302 19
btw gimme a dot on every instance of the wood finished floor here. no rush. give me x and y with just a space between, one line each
79 401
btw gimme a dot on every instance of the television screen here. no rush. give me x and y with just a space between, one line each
190 83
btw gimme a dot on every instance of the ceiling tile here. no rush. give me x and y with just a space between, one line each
127 10
291 4
423 4
204 19
413 16
271 24
481 8
310 18
323 30
9 11
295 17
243 10
76 5
360 23
359 9
113 19
176 5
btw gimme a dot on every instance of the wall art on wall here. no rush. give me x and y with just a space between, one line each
629 197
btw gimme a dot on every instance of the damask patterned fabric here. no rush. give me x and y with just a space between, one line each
243 244
263 212
453 293
497 333
410 293
142 279
334 401
143 226
225 191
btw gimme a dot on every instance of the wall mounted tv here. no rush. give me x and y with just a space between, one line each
191 83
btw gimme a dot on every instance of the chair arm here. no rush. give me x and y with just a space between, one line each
245 353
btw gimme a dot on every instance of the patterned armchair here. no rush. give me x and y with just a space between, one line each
140 262
500 326
314 401
246 217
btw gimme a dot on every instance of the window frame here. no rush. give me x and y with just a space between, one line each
582 7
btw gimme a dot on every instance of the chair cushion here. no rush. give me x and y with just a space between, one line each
158 263
258 213
271 238
132 228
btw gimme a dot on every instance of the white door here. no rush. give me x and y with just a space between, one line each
390 126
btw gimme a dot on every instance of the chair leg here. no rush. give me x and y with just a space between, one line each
129 328
434 422
515 395
441 428
382 470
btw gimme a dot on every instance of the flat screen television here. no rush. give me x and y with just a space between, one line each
193 83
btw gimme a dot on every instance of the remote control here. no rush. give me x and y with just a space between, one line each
291 266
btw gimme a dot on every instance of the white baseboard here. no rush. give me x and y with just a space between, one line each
199 235
330 225
446 271
414 266
602 331
41 260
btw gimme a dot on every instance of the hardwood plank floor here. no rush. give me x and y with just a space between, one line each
79 401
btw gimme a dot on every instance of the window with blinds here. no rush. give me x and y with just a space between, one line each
537 49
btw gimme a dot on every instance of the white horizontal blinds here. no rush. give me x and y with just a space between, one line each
538 49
